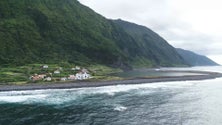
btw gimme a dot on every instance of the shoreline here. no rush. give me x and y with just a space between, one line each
83 84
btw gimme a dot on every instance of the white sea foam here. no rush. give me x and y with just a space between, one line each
111 90
20 98
120 108
61 96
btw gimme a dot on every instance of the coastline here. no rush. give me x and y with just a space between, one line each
82 84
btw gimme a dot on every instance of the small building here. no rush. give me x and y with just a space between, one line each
45 66
42 76
37 77
72 77
85 75
48 79
82 76
63 79
79 76
77 68
85 70
56 72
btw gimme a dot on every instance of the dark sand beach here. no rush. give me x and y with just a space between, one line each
81 84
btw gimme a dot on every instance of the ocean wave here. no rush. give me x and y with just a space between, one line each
62 96
120 108
20 98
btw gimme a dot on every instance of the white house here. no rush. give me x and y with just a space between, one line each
77 68
63 79
82 76
48 79
85 75
56 72
45 66
79 76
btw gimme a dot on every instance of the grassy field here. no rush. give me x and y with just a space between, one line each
21 74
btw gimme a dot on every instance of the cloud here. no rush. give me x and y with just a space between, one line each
193 25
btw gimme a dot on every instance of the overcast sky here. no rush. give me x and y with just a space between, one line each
194 25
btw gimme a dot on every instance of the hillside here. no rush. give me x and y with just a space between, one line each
152 46
194 59
53 31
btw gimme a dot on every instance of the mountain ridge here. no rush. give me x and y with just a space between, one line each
195 59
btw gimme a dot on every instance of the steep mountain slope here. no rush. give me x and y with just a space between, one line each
51 31
54 30
152 46
194 59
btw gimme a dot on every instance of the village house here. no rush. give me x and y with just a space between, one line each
79 76
82 76
48 79
85 70
85 75
56 72
45 66
63 79
37 77
42 76
77 68
72 77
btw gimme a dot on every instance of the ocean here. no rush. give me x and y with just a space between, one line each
163 103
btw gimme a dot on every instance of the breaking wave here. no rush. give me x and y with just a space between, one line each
62 96
120 108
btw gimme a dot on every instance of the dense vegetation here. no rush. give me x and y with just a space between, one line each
194 59
151 46
51 31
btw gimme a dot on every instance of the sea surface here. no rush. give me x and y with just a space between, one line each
160 72
164 103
